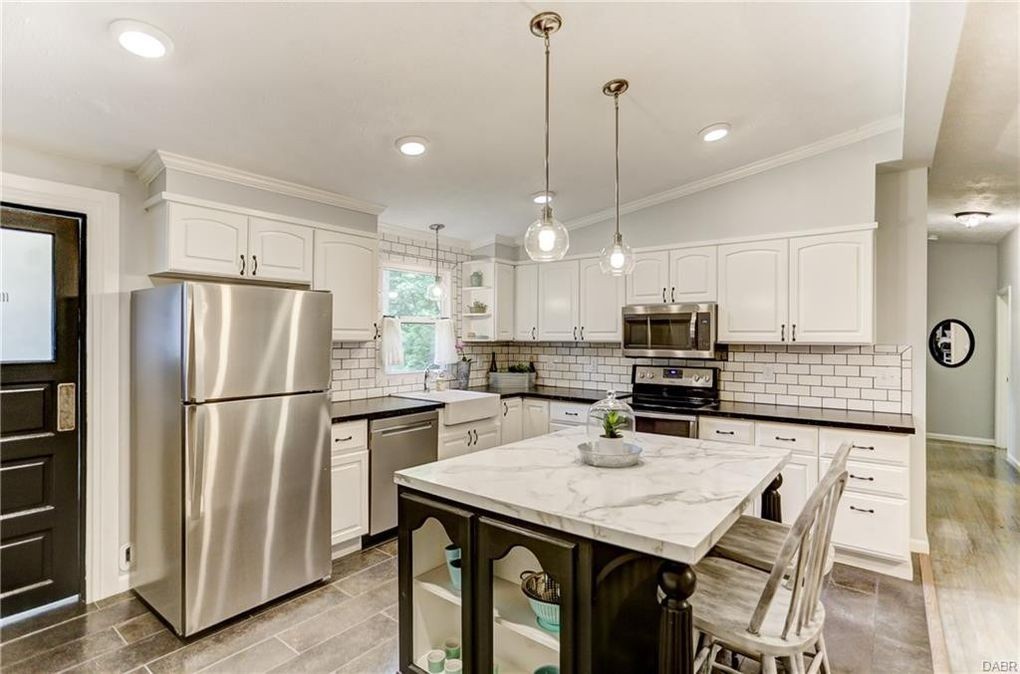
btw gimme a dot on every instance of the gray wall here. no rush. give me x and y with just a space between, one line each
1009 275
962 282
836 188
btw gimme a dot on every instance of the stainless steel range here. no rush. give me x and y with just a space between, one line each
666 400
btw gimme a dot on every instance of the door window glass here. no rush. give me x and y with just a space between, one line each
26 296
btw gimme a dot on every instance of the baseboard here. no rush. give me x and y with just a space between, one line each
963 439
344 549
919 545
1012 461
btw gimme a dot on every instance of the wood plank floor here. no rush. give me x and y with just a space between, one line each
974 534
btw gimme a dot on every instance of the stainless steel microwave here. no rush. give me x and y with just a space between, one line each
669 330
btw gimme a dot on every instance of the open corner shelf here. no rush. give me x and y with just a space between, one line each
511 612
477 287
467 314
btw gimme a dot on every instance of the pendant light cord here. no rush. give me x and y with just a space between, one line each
616 106
547 118
437 255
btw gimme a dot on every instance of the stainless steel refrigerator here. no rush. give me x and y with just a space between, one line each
230 447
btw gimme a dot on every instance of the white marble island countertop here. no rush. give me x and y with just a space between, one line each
675 504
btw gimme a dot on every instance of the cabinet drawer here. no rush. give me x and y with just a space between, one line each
798 438
569 413
348 436
873 524
726 430
882 447
874 478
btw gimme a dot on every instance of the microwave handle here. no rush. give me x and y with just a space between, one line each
694 330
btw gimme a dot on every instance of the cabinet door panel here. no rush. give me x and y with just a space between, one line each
346 266
512 429
526 303
602 298
557 301
799 478
832 288
280 251
649 282
486 436
206 241
504 302
753 290
536 418
692 274
349 506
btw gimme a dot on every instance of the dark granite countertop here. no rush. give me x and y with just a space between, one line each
574 395
379 408
886 422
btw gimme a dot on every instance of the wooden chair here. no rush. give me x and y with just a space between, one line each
755 542
776 615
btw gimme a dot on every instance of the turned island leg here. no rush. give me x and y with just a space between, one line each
676 623
771 504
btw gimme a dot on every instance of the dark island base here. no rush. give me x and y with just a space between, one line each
610 618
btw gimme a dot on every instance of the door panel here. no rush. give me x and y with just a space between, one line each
558 300
753 292
256 482
345 265
254 340
280 250
832 288
602 299
648 283
526 303
693 274
207 241
40 533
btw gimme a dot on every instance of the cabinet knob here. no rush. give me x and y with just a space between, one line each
242 265
255 265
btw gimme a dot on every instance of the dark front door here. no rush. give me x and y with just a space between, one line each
41 350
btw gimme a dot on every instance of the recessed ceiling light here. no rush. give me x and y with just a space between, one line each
971 219
141 39
715 132
412 146
543 197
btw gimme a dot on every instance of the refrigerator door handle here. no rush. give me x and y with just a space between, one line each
195 434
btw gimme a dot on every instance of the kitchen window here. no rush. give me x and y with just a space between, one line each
404 295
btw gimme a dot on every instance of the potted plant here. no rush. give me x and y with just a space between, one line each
611 439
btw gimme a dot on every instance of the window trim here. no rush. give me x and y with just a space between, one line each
446 275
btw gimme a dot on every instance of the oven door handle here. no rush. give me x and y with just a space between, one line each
662 415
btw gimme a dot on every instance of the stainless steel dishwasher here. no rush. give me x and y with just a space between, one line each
393 444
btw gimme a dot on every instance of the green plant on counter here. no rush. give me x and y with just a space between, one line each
611 424
518 367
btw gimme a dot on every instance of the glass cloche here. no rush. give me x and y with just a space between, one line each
610 425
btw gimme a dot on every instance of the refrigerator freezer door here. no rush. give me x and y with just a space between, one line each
244 341
256 503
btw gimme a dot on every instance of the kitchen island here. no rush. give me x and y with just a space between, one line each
611 538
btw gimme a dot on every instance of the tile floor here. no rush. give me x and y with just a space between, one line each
875 624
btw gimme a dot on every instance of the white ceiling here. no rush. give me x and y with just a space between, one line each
317 93
977 158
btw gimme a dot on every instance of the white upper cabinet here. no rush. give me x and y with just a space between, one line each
832 294
280 251
649 282
526 303
346 265
558 306
753 295
602 298
504 302
204 241
692 275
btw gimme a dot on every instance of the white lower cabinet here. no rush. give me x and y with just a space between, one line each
349 501
512 428
468 437
873 525
536 417
800 477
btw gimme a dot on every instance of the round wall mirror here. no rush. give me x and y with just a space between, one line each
951 342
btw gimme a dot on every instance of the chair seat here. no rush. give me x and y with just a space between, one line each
725 596
752 541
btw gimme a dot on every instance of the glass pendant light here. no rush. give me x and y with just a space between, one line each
546 239
435 291
617 258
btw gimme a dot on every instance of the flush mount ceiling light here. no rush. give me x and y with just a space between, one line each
412 146
546 239
435 290
543 197
971 219
141 39
617 258
715 132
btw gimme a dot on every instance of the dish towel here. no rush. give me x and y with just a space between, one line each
392 351
446 342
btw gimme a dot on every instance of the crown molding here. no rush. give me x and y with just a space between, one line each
495 239
424 235
850 137
161 160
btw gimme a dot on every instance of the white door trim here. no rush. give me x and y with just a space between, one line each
1003 338
102 367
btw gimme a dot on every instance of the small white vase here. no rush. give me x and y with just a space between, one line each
610 445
